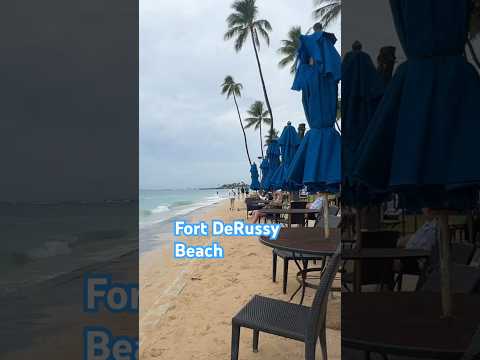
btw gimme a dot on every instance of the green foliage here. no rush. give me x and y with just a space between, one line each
289 49
258 116
230 87
272 135
327 11
244 21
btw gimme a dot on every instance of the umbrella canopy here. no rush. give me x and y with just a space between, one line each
255 184
273 157
421 138
317 161
362 89
264 170
289 142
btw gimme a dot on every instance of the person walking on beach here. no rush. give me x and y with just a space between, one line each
231 195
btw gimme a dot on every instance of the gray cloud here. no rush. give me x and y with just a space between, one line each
189 134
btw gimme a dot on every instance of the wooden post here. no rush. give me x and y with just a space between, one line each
470 227
325 215
445 265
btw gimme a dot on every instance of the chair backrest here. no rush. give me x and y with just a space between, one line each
298 219
318 311
465 279
376 271
333 222
473 351
462 253
333 210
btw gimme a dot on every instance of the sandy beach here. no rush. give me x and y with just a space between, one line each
186 306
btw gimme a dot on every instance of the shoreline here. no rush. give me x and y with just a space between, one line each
184 300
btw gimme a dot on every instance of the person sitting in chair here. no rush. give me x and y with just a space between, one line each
425 237
276 202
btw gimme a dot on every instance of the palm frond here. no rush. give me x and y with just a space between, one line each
240 40
327 11
289 48
244 19
230 87
264 35
232 32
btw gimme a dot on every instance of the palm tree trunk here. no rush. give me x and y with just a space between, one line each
261 141
243 130
261 78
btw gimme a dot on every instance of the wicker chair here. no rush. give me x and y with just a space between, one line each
293 321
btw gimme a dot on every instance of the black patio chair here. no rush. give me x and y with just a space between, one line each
473 351
293 321
374 271
462 253
465 280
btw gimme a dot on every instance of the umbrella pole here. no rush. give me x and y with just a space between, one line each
445 265
325 215
357 266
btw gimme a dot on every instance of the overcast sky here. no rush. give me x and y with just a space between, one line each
189 133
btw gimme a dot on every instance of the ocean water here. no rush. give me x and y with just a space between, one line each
158 208
41 241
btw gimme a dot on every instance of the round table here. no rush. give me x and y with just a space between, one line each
305 241
409 323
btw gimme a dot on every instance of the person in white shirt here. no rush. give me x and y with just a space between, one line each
231 196
425 238
317 203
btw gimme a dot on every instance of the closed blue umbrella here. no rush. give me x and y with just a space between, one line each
264 170
362 89
289 142
255 184
422 138
317 161
273 157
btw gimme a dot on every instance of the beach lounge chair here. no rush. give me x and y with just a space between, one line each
293 321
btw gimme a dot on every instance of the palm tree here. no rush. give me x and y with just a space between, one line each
289 48
258 115
272 134
243 23
231 88
327 11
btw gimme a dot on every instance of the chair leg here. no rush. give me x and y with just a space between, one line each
255 340
274 266
310 351
323 343
235 341
285 274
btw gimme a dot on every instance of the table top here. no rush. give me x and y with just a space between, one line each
305 240
291 211
408 323
383 253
